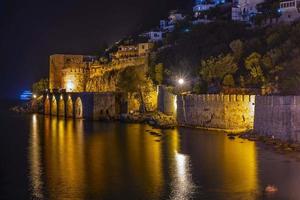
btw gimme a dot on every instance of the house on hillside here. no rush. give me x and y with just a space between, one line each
244 10
204 5
169 24
153 35
290 10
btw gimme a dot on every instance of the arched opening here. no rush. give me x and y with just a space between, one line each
53 106
69 107
61 108
78 108
47 106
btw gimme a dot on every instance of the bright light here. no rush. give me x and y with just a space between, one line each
175 104
34 96
70 86
181 81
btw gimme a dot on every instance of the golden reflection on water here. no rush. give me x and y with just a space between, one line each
240 168
35 169
182 185
124 161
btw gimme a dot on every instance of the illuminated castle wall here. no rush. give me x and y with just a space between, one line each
78 73
227 112
69 72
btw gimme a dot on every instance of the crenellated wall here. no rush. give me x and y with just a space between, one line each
278 116
227 112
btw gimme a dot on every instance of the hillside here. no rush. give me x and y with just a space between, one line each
231 54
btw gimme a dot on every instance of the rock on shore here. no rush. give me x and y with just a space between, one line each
276 144
155 119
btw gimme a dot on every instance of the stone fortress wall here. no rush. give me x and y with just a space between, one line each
79 73
166 101
212 111
278 116
105 105
226 112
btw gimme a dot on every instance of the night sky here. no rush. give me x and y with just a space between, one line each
32 30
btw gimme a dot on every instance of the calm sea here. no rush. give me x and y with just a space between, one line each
50 158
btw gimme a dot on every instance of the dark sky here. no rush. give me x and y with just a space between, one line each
31 30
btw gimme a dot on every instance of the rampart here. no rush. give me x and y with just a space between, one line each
214 111
278 116
166 101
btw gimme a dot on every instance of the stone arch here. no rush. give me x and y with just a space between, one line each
78 108
47 106
69 107
61 108
53 106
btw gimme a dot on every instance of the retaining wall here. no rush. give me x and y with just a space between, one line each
278 116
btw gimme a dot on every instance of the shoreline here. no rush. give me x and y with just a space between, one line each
159 120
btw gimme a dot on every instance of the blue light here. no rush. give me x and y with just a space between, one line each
26 95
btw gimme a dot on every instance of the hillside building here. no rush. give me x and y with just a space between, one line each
244 10
169 24
204 5
153 35
290 10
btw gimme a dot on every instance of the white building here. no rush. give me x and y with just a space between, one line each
175 16
243 10
290 10
153 36
169 24
204 5
166 26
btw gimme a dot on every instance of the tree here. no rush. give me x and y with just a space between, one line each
159 73
228 80
253 64
216 68
237 48
40 86
132 80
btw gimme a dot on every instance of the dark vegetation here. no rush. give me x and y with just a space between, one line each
230 54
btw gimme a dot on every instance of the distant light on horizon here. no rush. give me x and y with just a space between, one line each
26 95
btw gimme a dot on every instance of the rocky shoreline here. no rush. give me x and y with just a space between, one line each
162 121
274 143
154 119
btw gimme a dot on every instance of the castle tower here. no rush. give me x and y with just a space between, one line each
66 72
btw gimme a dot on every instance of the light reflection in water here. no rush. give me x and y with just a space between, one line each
65 159
118 161
182 186
35 169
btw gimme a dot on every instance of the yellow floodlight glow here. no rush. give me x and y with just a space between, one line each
70 86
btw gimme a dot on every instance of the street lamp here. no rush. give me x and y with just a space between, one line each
180 81
34 96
